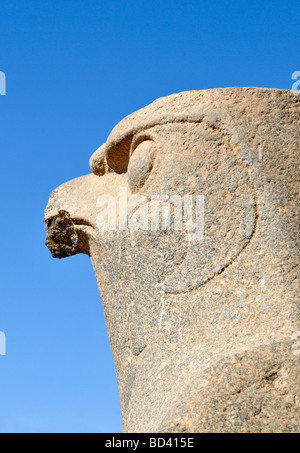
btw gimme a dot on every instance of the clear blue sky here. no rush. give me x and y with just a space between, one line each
74 68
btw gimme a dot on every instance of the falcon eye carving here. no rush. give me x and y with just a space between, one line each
140 164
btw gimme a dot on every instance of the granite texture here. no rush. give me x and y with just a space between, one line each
204 333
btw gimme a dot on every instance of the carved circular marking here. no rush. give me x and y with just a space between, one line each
141 164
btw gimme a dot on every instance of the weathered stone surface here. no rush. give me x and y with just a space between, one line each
204 332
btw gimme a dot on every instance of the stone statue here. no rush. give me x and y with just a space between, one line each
190 219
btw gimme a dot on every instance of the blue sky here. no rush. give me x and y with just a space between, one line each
74 68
